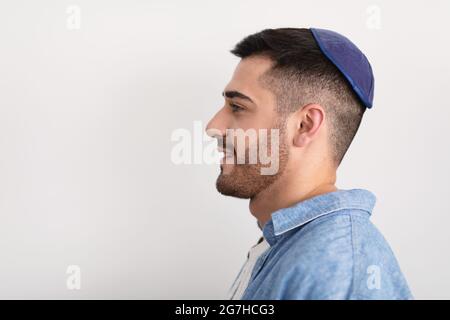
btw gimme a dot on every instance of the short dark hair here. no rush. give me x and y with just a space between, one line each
300 75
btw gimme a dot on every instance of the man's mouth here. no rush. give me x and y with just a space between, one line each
228 155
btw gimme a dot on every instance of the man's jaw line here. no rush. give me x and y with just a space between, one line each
259 205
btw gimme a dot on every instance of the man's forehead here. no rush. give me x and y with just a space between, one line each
246 77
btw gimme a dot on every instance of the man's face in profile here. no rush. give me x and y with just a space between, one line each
250 133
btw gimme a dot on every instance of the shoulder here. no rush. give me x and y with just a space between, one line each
377 273
334 257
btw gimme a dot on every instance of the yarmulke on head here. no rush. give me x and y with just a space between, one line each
349 60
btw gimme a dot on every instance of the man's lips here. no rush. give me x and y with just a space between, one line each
227 152
228 156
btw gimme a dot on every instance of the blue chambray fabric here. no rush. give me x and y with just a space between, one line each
326 247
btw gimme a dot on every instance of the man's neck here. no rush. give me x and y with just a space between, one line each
283 194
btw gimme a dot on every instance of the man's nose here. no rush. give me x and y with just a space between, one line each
216 126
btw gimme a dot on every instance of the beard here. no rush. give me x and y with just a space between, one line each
245 180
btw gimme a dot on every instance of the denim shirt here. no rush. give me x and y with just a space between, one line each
325 247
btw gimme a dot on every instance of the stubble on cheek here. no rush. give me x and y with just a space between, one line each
246 180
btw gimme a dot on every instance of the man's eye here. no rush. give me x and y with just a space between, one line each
235 107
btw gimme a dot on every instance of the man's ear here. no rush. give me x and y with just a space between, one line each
308 121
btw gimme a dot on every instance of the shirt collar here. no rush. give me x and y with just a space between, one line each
286 219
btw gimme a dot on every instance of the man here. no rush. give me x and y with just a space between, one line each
310 89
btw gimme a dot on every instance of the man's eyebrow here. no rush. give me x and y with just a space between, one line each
236 94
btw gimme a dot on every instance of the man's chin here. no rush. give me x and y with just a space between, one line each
227 185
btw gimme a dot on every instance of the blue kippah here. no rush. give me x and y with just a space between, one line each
350 61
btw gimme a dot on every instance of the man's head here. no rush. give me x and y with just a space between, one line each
285 82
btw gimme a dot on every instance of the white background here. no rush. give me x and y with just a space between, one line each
86 117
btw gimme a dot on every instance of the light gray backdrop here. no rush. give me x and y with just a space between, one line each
91 91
